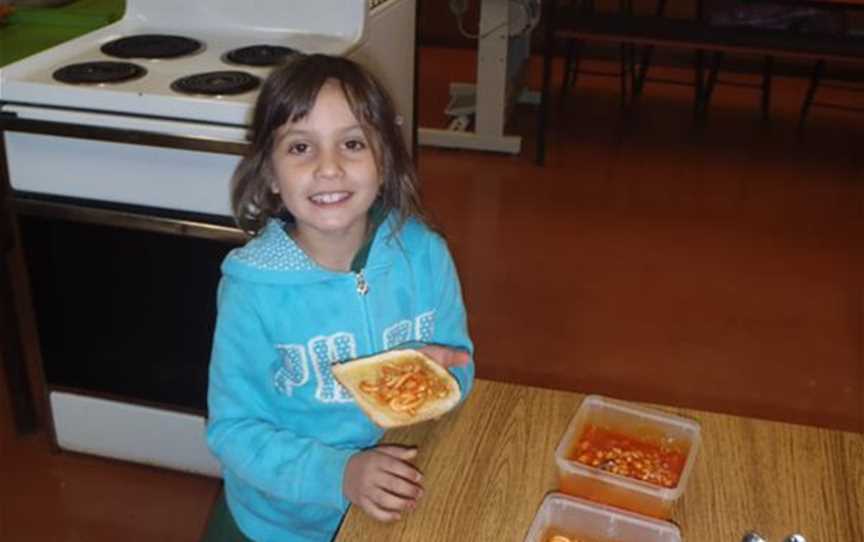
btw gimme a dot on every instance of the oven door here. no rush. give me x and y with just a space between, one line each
123 233
124 300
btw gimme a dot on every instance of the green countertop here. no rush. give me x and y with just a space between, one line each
30 30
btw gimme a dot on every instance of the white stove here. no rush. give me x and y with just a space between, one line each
335 27
143 169
30 90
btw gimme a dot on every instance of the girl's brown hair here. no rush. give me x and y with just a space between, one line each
288 95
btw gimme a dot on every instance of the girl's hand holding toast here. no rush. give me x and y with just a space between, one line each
382 482
446 357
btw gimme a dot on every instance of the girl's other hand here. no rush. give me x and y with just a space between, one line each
446 357
382 482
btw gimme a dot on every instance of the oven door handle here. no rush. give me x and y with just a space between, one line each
94 126
191 226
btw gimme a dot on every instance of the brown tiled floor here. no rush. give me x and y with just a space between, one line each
720 271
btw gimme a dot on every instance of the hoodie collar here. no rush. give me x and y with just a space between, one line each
273 256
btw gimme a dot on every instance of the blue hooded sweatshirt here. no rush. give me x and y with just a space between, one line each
281 426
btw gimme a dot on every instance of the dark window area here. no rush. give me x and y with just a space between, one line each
124 312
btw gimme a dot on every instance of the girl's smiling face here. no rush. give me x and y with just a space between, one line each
325 171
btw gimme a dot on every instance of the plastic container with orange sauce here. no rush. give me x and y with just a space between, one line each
586 521
641 424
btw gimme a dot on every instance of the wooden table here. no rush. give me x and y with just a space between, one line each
488 465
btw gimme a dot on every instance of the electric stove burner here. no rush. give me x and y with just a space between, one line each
215 83
151 46
99 72
260 55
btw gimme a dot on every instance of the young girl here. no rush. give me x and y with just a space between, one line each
340 265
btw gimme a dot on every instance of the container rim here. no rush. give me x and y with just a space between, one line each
617 514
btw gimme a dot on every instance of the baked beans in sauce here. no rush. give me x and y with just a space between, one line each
618 453
405 386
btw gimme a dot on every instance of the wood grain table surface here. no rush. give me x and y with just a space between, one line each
488 465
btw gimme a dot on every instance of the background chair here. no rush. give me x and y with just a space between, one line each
795 19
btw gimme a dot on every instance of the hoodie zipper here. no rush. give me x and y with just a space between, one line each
362 285
362 288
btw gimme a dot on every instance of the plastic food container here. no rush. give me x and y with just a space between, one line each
586 521
679 435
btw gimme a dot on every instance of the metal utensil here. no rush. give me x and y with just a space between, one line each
795 538
752 536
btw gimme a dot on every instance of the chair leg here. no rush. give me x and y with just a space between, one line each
698 67
767 72
644 64
647 54
549 42
710 83
577 60
815 78
568 65
572 58
627 51
540 151
698 82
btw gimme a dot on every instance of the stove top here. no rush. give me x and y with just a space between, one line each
204 63
260 55
220 83
99 72
81 74
152 46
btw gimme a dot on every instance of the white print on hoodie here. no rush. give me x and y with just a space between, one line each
326 350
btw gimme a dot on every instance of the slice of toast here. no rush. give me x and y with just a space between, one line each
399 387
